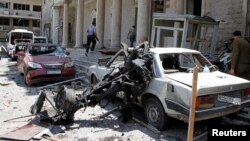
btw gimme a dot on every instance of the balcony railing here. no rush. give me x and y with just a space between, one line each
4 28
17 13
26 13
4 11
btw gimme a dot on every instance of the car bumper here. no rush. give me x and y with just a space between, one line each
41 75
206 113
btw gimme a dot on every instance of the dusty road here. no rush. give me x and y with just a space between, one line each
16 99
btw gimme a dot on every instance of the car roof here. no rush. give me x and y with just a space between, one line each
40 37
21 30
163 50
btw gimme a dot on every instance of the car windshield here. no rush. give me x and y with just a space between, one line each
39 40
184 62
22 41
46 50
17 35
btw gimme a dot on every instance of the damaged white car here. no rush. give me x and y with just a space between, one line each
169 92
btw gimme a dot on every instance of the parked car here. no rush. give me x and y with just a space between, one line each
169 93
44 62
40 39
18 46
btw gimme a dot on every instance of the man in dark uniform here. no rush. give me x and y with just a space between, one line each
240 65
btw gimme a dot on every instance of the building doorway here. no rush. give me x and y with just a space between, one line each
197 7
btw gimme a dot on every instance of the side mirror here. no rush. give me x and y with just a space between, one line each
21 53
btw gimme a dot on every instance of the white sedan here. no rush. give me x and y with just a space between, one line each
170 90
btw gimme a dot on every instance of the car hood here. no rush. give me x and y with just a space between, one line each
43 59
213 82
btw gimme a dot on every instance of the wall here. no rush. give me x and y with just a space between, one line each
72 20
107 25
229 12
128 20
47 16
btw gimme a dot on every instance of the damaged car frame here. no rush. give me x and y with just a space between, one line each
131 79
159 80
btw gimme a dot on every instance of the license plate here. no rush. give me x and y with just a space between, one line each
227 99
54 72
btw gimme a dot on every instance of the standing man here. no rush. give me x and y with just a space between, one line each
240 65
91 37
131 36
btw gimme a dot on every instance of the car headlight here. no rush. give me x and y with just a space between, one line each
34 65
69 64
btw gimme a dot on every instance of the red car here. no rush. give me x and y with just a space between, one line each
44 62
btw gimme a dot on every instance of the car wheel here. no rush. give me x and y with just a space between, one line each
94 80
13 57
155 114
26 79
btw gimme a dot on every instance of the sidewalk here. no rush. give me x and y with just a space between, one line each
83 62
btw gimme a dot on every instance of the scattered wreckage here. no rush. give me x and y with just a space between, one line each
131 79
159 80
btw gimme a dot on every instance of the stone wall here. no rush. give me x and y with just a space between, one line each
229 12
47 16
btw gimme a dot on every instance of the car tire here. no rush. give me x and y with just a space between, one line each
155 114
13 58
26 80
94 80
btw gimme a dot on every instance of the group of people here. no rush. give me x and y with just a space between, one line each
92 37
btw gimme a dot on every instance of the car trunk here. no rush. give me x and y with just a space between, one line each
211 83
216 89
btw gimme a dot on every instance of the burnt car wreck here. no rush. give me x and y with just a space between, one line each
157 79
130 79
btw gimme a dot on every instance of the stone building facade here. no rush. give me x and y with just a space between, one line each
115 17
20 14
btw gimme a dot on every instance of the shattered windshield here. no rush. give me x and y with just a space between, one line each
184 62
46 50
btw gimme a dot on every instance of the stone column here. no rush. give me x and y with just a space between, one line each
177 6
142 21
79 23
116 24
100 21
55 24
30 25
11 23
65 23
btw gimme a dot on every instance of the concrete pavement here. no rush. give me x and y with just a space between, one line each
82 62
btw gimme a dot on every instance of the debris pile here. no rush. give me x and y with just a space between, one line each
131 79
